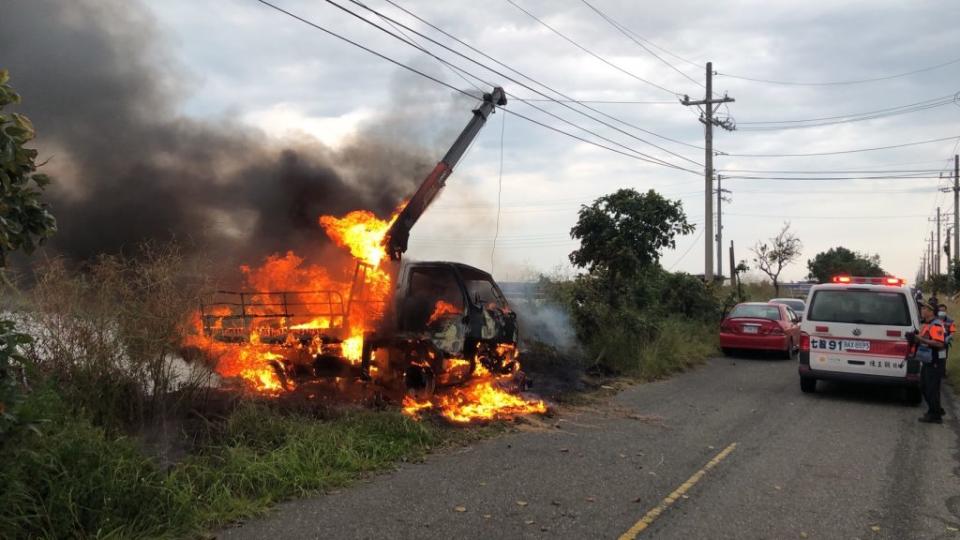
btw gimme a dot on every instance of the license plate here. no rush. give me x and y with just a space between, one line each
751 329
840 344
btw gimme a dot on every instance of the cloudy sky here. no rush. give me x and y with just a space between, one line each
241 60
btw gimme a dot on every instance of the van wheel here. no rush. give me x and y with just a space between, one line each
914 396
808 385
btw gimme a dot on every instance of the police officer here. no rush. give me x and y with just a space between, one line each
931 348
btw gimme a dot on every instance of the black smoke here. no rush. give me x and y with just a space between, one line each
103 95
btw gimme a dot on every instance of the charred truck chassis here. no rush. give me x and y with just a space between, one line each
444 322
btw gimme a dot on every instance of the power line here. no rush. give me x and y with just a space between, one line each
830 178
918 171
565 98
806 216
451 87
903 145
859 117
591 53
839 83
695 241
425 51
623 31
604 101
493 250
949 99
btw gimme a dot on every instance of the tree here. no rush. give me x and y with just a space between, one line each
771 258
840 260
25 222
738 272
622 234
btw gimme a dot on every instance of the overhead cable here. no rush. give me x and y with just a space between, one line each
591 53
454 88
425 51
838 152
840 83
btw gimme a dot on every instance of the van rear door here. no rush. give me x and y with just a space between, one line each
859 330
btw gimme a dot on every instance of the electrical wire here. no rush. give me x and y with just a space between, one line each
782 216
840 83
770 125
425 51
564 98
830 178
605 102
455 89
848 171
620 28
493 250
696 241
591 53
950 98
838 152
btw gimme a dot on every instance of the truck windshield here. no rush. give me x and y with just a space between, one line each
481 289
860 307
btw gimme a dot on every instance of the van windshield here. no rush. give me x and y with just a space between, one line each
860 307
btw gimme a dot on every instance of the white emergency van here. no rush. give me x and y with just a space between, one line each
854 329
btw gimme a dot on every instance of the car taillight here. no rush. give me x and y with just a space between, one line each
804 342
776 329
726 326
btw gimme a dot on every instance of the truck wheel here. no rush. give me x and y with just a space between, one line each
808 385
913 396
419 382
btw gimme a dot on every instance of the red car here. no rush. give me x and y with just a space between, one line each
760 326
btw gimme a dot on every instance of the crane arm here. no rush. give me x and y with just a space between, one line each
395 241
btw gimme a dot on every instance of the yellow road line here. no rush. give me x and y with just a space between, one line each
655 512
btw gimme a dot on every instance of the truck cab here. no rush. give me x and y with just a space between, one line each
448 321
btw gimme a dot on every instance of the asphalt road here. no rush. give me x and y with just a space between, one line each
847 462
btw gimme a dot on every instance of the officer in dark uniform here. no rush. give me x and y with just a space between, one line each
931 348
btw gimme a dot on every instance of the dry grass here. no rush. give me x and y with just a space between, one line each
109 335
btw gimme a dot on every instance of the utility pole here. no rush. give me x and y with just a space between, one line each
932 270
938 241
733 267
720 198
956 206
948 251
709 121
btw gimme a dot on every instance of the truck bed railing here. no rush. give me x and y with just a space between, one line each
235 313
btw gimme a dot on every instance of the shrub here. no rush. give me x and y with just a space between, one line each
110 335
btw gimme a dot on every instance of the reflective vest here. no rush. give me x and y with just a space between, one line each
935 330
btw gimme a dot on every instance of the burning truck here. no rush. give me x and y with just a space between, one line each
440 333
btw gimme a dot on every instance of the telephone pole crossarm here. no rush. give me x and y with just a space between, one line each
708 122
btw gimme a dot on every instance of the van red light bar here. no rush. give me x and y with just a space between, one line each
886 280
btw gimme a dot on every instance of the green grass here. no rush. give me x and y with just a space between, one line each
74 480
679 345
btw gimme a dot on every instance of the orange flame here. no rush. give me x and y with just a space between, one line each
442 308
361 232
480 400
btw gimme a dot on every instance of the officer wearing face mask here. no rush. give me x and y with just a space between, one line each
930 347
